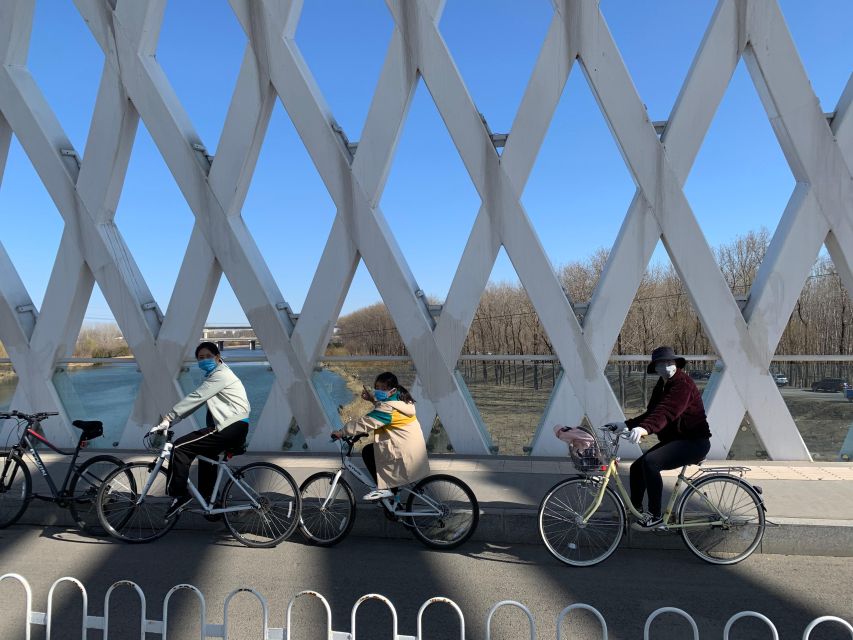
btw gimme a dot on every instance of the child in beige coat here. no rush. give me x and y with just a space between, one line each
398 453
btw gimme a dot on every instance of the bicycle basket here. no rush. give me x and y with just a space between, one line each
586 452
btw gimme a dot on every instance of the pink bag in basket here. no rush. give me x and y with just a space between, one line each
575 437
583 448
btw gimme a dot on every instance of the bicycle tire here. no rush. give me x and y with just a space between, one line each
16 489
574 543
735 499
326 527
118 512
83 492
434 532
278 515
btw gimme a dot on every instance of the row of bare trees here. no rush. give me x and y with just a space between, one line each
662 311
101 340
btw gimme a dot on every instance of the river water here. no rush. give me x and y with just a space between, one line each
106 392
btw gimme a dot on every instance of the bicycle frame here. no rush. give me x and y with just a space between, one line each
389 503
25 444
668 523
206 507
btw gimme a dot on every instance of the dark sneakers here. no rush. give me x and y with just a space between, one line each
649 523
177 505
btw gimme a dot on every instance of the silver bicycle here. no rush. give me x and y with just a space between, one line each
440 510
259 502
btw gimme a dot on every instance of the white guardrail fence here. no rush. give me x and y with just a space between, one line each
207 630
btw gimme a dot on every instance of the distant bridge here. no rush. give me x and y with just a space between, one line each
219 334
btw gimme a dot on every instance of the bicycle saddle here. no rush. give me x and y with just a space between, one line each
238 450
90 428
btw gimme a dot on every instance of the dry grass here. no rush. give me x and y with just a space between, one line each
512 410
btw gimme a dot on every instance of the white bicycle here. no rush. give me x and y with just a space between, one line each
440 510
259 502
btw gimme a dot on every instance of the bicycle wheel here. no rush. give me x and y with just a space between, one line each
458 509
278 514
723 498
16 487
84 488
565 535
121 512
326 526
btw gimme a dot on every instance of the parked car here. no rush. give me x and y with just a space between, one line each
698 374
831 385
780 379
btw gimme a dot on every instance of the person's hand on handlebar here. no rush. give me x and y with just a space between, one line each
162 426
337 435
636 434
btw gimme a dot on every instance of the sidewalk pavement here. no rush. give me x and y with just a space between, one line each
809 505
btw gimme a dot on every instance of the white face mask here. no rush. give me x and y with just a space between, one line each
665 371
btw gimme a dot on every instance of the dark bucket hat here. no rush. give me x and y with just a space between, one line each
665 353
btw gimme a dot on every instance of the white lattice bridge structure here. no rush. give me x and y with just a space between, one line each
86 186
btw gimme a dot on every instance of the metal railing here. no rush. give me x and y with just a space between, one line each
212 630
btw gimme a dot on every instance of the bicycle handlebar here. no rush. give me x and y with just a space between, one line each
29 417
351 439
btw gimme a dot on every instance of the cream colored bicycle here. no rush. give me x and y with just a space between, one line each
582 519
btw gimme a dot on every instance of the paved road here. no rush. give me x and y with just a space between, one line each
792 590
808 394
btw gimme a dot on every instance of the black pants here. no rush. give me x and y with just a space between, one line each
645 472
369 459
206 442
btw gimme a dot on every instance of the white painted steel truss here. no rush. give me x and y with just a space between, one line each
133 86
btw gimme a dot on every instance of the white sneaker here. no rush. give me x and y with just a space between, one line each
378 494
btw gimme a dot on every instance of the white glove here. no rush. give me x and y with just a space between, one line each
164 424
636 434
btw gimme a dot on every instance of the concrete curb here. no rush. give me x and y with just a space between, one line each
783 536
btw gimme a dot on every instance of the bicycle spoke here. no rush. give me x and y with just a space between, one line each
275 512
444 511
570 539
732 517
121 511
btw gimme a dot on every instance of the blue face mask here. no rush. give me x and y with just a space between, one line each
207 365
381 395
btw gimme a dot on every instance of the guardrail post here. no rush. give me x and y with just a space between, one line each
313 594
808 632
680 612
142 618
750 614
49 616
202 615
447 601
264 609
381 598
29 593
584 607
510 603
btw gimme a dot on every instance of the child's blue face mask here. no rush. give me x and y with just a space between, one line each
207 365
382 395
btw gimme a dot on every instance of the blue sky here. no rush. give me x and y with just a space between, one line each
577 194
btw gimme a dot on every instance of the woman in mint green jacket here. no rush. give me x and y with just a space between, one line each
226 426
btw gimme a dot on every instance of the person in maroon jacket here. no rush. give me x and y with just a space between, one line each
677 416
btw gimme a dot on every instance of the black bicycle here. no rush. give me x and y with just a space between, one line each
79 490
